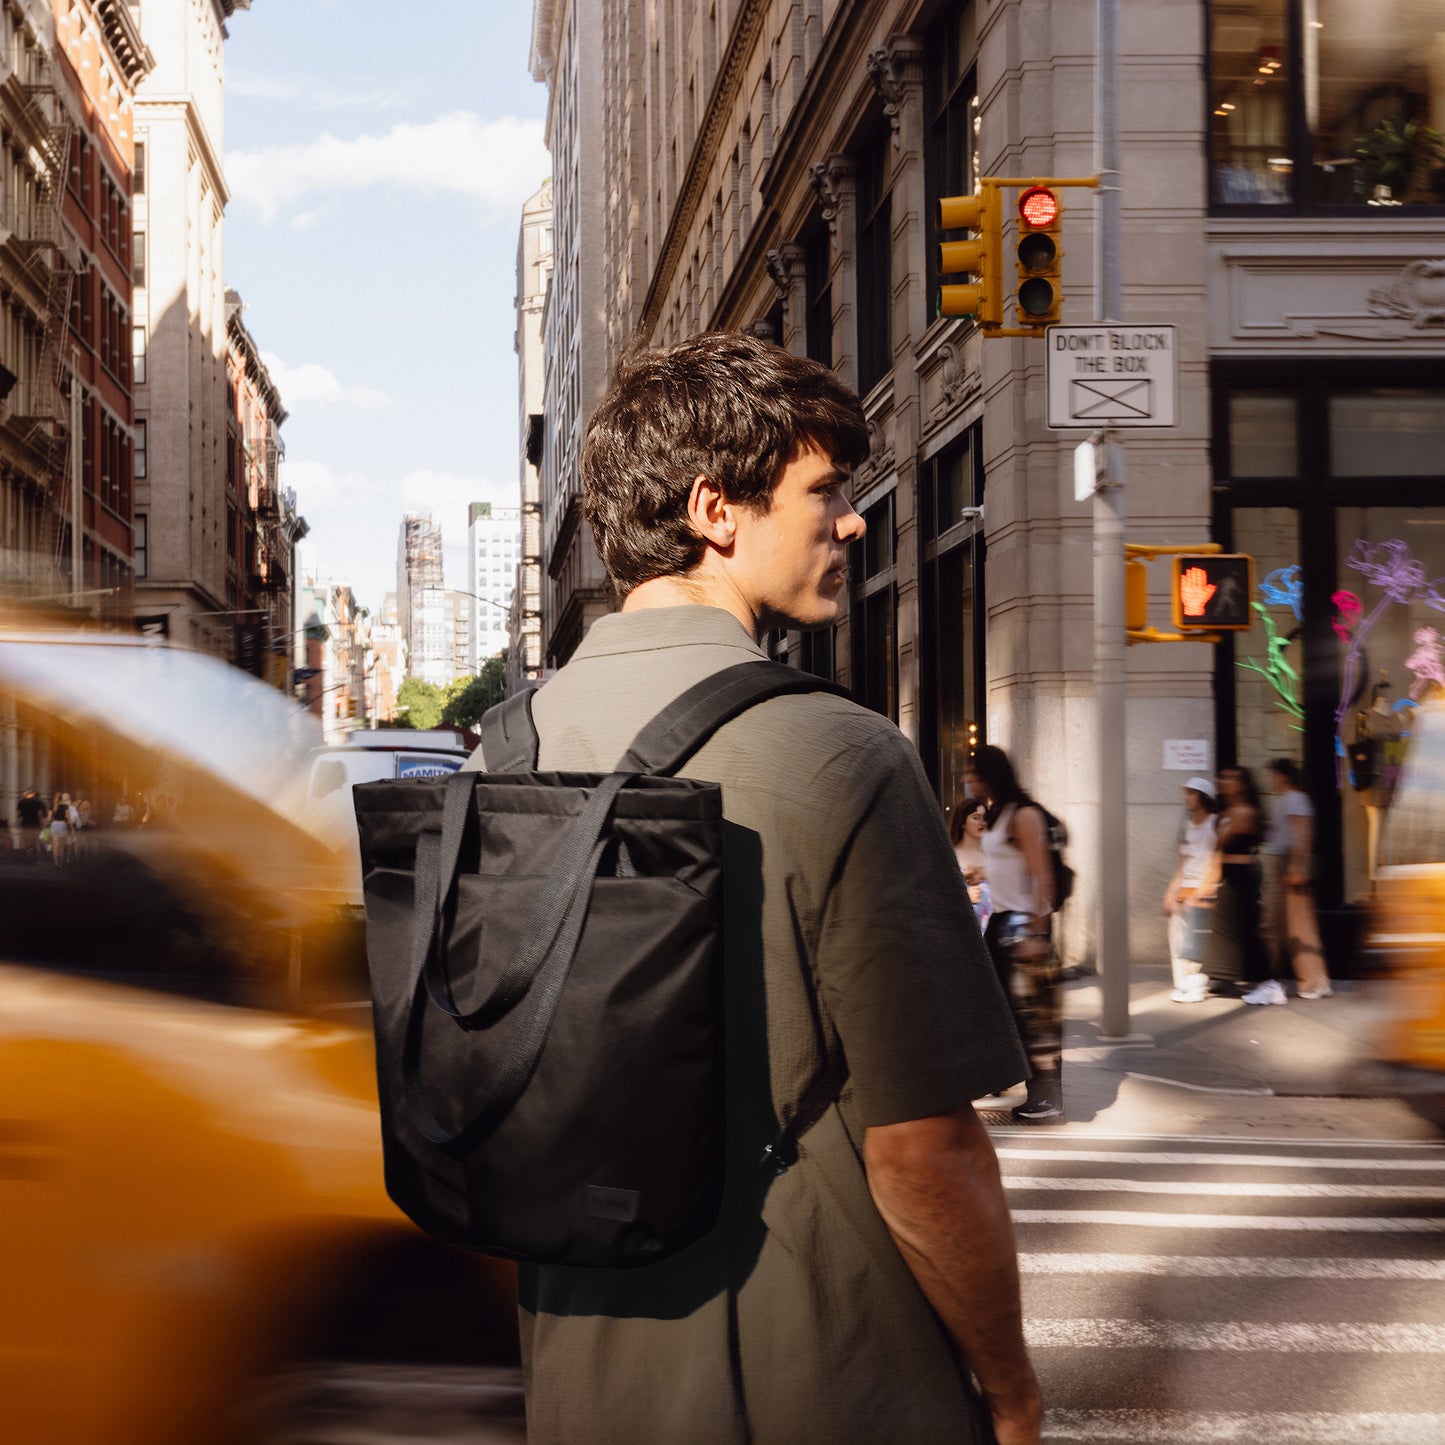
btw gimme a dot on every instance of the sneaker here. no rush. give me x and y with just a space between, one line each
1039 1111
1190 995
1323 991
1270 991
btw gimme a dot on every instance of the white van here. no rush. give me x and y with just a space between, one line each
367 757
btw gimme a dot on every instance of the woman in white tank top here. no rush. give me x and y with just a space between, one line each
1019 934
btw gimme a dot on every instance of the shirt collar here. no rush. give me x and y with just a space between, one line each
650 628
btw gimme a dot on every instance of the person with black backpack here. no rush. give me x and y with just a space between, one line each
860 1283
1029 880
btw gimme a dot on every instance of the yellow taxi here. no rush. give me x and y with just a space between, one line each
1409 918
196 1247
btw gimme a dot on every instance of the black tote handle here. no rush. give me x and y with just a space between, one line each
536 974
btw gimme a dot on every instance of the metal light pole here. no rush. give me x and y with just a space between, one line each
1109 641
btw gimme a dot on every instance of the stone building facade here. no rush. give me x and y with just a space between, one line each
180 327
775 165
534 275
567 38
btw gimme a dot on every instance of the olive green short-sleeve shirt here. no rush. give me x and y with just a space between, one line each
847 928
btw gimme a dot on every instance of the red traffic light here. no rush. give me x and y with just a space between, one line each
1039 208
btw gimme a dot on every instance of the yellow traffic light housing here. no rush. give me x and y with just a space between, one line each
1039 256
1211 592
1136 595
981 257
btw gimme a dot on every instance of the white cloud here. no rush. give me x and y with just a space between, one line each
311 382
319 483
314 92
496 162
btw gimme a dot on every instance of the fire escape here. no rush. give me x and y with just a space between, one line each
41 410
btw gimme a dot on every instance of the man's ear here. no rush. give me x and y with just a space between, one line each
711 514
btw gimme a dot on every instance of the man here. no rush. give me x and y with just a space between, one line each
846 1300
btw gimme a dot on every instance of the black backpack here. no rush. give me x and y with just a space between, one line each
1058 841
545 953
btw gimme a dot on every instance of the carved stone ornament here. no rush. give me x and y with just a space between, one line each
827 178
780 271
886 81
1416 295
952 376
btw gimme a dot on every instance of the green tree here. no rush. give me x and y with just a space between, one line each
469 697
418 704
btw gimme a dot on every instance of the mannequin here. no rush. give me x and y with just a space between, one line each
1370 765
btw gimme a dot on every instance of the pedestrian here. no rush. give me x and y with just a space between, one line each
1291 926
123 815
1019 935
1189 923
876 1281
965 832
1236 953
62 829
32 814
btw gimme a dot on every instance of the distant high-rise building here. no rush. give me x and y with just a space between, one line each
421 601
494 546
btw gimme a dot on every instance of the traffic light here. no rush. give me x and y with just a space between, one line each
1136 595
1212 591
1039 252
981 257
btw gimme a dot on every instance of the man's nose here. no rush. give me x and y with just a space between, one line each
851 525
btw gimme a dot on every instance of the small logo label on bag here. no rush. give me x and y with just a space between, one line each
619 1204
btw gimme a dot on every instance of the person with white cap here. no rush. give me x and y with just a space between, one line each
1196 849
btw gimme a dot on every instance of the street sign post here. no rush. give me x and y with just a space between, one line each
1112 375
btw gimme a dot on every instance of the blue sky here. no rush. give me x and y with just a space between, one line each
378 157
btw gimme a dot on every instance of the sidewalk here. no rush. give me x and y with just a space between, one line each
1223 1066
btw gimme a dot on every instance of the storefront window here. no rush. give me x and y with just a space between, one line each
1387 433
1269 658
1390 621
1324 103
1263 441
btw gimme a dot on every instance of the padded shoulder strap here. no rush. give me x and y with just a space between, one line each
685 724
509 736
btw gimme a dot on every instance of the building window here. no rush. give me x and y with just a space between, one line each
818 259
1325 103
875 612
138 259
951 620
142 545
875 263
138 354
138 172
950 96
140 449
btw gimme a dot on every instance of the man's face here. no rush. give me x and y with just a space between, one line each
791 561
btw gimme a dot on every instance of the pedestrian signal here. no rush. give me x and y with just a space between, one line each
1212 592
981 257
1039 254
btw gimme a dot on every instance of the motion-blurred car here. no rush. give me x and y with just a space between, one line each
1409 919
195 1244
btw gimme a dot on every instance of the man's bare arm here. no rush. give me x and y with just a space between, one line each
936 1184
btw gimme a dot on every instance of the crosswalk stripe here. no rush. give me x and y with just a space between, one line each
1058 1182
1265 1161
1233 1266
1235 1336
1183 1427
1347 1224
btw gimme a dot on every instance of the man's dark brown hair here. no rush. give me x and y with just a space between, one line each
721 405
